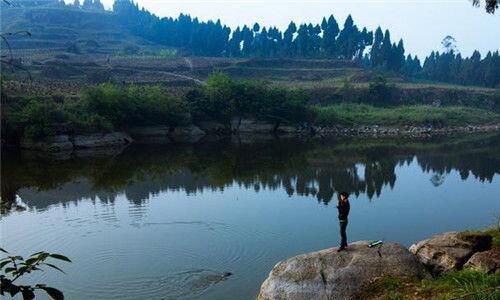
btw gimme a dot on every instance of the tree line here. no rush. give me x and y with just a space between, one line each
325 40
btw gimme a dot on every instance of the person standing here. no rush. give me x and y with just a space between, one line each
343 206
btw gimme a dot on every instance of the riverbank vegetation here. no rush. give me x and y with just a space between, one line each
349 114
108 107
463 284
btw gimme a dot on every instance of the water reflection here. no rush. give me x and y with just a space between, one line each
305 168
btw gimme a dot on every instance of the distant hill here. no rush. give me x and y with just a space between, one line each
72 47
56 27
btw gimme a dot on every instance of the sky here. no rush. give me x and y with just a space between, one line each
422 24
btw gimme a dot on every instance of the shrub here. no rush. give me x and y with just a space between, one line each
423 115
38 118
222 99
135 106
380 92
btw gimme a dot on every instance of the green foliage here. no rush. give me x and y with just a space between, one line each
380 92
135 106
167 53
463 284
362 114
15 267
38 117
222 99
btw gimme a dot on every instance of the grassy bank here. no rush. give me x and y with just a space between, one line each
464 284
454 285
107 107
362 114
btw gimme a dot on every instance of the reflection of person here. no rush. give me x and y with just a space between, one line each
343 207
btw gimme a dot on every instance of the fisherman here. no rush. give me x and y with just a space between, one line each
343 206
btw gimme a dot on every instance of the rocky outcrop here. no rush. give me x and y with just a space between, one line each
450 250
386 131
252 126
114 139
187 134
148 131
56 143
328 274
486 261
212 127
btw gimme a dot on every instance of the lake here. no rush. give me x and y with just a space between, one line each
166 221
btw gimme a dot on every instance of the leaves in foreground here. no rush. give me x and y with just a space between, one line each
14 267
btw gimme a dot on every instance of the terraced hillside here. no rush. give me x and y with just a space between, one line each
71 48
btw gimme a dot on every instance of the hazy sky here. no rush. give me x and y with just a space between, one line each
421 23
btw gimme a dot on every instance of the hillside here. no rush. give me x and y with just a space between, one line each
71 48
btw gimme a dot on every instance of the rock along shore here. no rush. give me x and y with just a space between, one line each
328 274
243 128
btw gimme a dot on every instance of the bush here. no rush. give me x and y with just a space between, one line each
134 106
168 53
380 92
222 99
38 117
423 115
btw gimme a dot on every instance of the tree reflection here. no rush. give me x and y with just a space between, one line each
306 168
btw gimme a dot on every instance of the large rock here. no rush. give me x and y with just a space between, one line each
189 134
56 143
328 274
252 126
212 127
114 139
486 261
450 250
149 131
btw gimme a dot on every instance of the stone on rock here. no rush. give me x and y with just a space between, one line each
251 126
212 127
486 261
149 131
57 143
114 139
187 134
328 274
450 250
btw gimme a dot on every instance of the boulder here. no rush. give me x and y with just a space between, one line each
212 127
149 131
486 261
57 143
450 250
189 134
287 130
328 274
114 139
251 126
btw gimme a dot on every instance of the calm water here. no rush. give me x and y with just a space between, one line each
163 222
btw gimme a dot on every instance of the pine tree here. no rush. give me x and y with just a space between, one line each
97 5
386 51
87 4
288 40
376 51
303 41
330 32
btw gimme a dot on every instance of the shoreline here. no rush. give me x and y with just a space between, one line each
400 131
193 134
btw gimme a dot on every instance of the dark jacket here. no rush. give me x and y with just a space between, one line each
343 210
